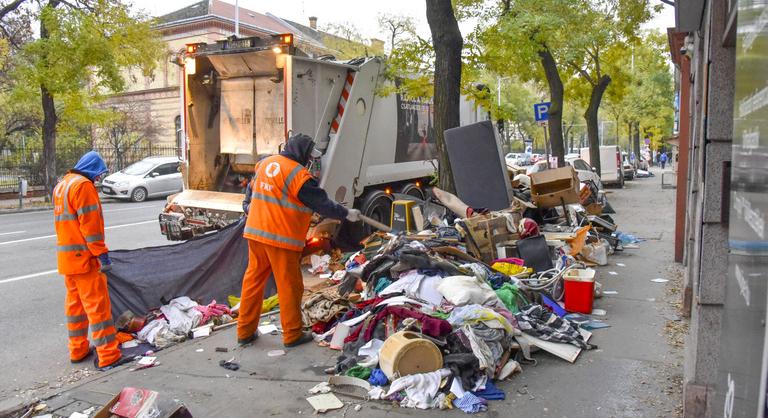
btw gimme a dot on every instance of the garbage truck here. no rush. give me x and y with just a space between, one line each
242 99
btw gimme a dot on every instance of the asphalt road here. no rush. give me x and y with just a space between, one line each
32 326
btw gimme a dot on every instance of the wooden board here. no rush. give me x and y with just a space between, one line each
567 352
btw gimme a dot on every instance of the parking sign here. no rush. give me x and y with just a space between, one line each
541 112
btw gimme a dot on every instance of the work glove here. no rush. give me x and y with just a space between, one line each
353 215
106 263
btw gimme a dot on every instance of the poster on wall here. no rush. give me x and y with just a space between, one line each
415 130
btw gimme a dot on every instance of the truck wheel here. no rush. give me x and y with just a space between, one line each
139 194
374 204
411 189
377 205
621 180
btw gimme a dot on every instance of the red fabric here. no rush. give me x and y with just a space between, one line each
434 327
528 228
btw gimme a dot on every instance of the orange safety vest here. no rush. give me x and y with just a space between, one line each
276 215
79 224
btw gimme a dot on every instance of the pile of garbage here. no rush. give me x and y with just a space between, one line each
430 316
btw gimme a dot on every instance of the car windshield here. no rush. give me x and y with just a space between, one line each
138 168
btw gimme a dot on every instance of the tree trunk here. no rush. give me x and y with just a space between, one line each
636 145
591 117
49 123
447 41
556 108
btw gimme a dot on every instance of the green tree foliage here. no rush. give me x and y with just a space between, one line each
613 25
643 101
83 53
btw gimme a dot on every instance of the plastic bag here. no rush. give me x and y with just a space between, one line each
596 253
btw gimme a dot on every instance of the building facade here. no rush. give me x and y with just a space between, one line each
720 50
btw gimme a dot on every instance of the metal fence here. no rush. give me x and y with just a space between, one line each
28 162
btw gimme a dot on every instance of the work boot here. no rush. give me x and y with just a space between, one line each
307 337
119 362
247 341
91 350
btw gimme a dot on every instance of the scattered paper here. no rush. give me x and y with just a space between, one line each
325 276
199 350
320 388
267 329
621 264
203 331
130 344
599 312
659 280
325 402
610 292
613 273
78 415
147 361
651 299
276 353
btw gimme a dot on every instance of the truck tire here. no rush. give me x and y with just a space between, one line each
377 205
411 189
621 180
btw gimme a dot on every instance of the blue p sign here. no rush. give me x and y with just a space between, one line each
541 111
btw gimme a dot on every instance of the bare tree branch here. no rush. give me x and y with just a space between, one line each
10 7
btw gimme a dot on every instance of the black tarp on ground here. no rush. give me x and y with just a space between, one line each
204 268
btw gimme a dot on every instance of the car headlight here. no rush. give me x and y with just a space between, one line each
121 184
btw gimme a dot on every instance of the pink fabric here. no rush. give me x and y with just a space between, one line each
511 260
212 310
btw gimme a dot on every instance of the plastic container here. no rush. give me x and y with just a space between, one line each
405 353
579 287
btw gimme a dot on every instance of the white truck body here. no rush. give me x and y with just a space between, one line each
243 99
611 170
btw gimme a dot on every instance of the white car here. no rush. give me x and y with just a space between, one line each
150 177
583 170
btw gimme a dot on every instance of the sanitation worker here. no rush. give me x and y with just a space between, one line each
82 259
283 197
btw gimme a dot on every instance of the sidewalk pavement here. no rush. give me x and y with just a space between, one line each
636 371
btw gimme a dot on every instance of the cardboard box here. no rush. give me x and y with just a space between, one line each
552 188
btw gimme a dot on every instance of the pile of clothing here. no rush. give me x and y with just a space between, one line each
171 323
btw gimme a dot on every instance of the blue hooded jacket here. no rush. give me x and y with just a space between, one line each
91 165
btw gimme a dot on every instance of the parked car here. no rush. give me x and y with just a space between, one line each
583 170
150 177
512 158
629 169
537 167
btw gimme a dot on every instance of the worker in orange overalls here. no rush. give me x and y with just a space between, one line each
283 197
82 259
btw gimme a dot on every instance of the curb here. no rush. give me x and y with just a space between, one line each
25 210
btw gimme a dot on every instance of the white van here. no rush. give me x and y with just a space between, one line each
611 170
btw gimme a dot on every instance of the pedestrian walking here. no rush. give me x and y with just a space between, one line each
283 197
663 160
82 258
